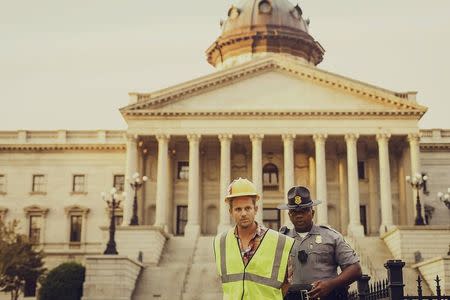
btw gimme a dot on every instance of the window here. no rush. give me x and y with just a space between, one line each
183 170
76 219
361 170
29 290
75 229
78 183
119 182
36 216
38 184
2 183
271 218
265 7
270 177
34 232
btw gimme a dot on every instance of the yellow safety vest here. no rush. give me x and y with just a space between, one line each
264 274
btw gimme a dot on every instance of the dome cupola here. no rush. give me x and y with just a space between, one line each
255 28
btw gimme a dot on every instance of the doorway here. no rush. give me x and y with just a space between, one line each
182 217
363 217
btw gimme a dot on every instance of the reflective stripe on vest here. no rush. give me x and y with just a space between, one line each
269 267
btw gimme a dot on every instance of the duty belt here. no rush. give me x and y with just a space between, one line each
298 292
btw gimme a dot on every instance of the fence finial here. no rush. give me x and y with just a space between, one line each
395 278
438 286
419 286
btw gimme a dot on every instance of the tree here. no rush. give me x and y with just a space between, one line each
65 282
19 262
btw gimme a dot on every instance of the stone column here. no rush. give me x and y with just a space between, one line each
312 176
343 198
192 228
162 191
402 203
413 139
385 183
225 174
321 178
289 174
374 198
257 171
131 168
354 227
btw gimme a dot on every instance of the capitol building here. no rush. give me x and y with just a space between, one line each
268 113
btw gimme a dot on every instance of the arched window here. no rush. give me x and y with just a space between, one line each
270 177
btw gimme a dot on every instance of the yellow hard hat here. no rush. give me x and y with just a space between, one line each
241 187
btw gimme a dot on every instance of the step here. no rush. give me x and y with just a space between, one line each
202 282
163 283
166 280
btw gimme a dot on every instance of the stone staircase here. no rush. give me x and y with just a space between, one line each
373 254
201 281
165 281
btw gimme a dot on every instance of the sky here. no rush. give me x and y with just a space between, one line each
71 64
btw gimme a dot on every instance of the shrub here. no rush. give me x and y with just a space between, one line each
65 282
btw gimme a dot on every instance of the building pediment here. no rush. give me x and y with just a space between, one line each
273 86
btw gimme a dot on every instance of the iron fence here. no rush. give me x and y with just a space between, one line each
392 288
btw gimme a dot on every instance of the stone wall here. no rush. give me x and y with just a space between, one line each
110 277
430 241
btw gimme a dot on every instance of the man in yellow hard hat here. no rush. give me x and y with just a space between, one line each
252 260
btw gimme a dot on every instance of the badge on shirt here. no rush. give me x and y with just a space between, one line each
318 239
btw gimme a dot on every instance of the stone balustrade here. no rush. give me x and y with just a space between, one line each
438 266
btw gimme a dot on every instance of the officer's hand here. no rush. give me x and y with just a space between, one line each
321 288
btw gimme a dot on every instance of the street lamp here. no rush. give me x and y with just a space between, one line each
112 205
135 184
445 198
418 182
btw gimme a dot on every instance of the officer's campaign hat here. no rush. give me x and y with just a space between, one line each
299 197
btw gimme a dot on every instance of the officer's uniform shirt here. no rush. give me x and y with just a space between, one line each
326 249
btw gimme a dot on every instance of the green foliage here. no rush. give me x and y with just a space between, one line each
65 282
19 262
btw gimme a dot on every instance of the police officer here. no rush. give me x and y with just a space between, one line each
319 250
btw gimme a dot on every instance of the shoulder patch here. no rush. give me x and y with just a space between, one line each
284 230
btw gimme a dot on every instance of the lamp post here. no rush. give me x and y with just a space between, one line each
418 182
135 184
445 198
112 205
